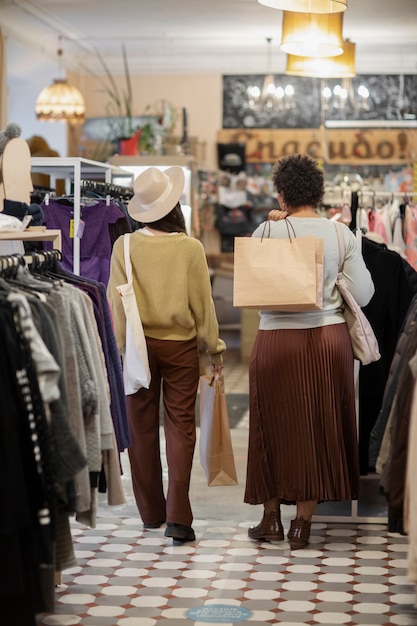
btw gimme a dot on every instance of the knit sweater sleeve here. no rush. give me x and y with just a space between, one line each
117 277
202 305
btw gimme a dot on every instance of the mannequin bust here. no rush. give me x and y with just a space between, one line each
15 175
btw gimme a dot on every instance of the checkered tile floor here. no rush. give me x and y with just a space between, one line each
354 574
351 573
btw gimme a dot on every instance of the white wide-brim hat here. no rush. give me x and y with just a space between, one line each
156 193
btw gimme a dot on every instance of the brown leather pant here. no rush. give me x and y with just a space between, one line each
174 369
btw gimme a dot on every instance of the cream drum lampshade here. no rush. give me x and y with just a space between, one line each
342 66
308 6
312 34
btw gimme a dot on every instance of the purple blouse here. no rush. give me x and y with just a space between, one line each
95 240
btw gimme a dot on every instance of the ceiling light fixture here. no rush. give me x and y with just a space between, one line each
342 66
268 89
271 97
60 102
312 34
308 6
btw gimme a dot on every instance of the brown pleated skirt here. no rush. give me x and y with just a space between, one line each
302 426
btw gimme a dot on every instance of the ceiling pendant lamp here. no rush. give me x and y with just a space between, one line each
268 89
263 98
308 6
342 66
60 102
312 34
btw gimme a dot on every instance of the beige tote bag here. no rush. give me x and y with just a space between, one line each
364 343
136 373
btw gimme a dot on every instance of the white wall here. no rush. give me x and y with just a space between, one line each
200 95
28 73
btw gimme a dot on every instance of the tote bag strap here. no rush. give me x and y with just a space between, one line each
128 264
341 244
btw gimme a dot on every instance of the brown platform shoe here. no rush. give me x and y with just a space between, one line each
299 533
268 529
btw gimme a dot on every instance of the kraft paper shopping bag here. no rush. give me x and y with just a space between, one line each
278 274
216 450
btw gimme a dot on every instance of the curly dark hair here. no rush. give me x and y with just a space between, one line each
299 180
173 222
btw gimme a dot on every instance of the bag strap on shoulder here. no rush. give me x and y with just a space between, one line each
341 244
128 264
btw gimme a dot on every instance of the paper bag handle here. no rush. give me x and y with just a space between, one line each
287 223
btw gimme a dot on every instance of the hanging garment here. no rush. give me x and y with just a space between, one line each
377 224
96 239
30 465
410 499
388 441
97 293
50 344
385 217
397 235
410 234
362 220
386 312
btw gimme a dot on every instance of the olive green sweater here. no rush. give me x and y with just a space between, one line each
172 287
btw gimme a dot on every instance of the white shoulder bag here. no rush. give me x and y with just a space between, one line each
136 373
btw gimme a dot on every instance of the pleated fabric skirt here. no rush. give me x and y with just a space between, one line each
302 421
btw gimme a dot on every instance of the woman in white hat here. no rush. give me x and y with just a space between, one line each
173 293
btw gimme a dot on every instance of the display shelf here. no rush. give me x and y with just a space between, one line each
65 167
34 235
76 169
183 160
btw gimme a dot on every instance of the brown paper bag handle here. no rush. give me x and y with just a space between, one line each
287 223
217 379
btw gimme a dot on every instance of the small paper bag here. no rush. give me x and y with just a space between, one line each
216 451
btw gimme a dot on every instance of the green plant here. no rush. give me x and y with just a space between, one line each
119 108
147 139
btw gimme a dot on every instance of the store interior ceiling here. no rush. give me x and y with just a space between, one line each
198 36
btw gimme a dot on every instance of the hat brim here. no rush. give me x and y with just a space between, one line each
145 215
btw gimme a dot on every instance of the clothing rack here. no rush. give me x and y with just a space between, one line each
74 170
36 260
338 190
116 191
387 194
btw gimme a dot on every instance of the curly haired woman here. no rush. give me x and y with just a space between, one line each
302 433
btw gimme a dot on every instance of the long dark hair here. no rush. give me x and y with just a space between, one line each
172 222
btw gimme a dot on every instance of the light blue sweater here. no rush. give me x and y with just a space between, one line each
357 276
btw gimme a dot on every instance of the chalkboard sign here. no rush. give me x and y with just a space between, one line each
390 97
302 104
302 110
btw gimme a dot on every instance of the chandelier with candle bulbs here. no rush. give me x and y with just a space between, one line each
271 97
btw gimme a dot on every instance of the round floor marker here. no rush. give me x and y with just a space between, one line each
219 614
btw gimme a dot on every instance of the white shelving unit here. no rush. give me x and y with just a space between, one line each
76 169
34 235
